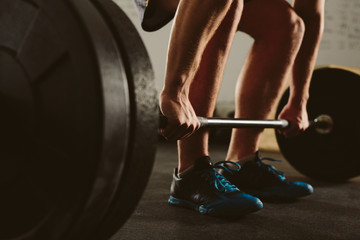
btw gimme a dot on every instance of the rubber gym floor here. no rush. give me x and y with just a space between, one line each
332 212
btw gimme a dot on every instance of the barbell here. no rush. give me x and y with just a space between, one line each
77 99
80 117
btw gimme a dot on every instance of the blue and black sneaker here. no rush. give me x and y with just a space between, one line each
265 181
203 189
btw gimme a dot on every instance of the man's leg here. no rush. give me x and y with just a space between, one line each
195 24
277 31
194 70
312 13
196 184
206 85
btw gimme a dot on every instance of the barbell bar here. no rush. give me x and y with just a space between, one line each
322 124
241 123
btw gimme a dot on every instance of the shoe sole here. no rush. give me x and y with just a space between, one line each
215 211
273 195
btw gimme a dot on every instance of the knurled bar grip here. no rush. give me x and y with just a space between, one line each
234 123
241 123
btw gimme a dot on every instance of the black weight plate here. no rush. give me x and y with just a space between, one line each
329 157
65 119
144 118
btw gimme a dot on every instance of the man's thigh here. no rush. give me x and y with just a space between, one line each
264 15
307 8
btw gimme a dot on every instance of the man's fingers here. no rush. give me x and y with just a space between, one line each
177 132
294 130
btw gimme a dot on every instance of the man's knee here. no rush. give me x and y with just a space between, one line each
296 28
264 20
289 26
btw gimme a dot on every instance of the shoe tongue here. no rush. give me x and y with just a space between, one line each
254 160
257 156
202 163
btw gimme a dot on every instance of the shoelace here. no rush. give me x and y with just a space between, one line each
222 165
271 168
219 181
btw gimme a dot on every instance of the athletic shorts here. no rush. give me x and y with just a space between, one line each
151 17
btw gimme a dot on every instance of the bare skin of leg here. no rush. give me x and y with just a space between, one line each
194 25
278 32
312 13
206 85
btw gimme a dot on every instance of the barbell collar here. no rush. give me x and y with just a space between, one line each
323 124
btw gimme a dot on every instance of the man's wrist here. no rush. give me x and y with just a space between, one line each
299 101
174 93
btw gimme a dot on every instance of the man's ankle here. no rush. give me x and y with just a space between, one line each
243 160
